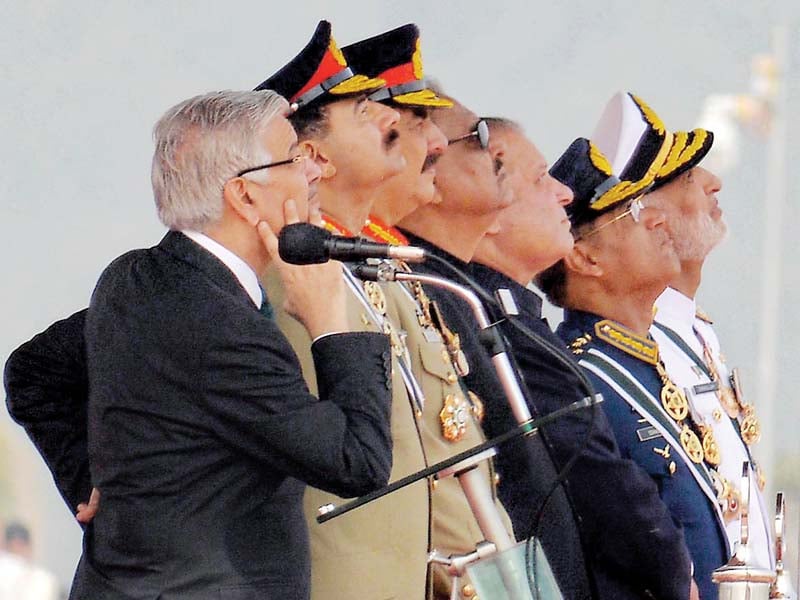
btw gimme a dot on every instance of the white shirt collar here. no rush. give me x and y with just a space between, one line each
673 306
238 267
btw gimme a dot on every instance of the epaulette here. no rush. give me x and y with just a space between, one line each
703 316
579 342
626 340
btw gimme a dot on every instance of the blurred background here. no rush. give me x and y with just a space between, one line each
85 82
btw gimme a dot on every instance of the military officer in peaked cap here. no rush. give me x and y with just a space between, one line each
380 550
623 259
685 336
449 422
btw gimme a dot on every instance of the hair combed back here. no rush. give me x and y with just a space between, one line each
504 124
199 145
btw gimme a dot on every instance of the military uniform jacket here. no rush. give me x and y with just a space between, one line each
380 550
678 332
620 367
621 515
525 468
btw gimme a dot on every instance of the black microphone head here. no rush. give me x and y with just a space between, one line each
303 244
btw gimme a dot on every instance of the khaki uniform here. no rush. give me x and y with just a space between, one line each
380 550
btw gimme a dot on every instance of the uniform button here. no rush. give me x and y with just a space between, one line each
497 479
364 319
418 414
717 414
468 591
672 467
451 377
445 356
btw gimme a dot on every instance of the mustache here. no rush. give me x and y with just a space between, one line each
391 138
430 160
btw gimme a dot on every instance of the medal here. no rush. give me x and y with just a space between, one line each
674 401
691 443
453 417
710 448
750 426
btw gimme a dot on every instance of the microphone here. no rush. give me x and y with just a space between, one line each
306 244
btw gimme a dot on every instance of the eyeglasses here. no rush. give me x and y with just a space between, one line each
481 131
634 209
294 159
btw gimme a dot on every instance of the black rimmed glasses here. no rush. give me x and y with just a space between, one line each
480 131
294 159
634 209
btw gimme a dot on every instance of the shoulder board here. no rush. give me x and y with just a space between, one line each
703 316
624 339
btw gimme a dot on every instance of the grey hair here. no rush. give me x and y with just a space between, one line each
504 124
200 144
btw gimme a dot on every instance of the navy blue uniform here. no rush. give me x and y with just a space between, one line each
621 517
646 435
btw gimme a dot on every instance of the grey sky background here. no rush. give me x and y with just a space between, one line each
84 82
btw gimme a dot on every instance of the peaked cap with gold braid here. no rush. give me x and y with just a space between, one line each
396 57
633 137
318 72
587 172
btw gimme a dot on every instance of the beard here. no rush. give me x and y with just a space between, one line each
695 237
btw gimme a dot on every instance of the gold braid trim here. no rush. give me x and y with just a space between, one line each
337 54
678 145
686 154
650 115
599 159
422 98
379 231
416 60
357 83
626 189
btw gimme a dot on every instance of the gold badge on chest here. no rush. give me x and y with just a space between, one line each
454 417
375 296
674 401
691 443
710 448
750 426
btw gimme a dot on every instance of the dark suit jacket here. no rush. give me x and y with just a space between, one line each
632 544
46 392
202 432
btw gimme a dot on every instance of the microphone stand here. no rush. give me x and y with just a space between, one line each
477 493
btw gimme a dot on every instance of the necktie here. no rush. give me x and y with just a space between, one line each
266 307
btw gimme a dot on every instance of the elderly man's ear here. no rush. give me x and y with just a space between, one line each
237 198
583 260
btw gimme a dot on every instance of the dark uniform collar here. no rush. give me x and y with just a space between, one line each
491 279
415 240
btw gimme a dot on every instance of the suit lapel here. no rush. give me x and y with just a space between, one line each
218 274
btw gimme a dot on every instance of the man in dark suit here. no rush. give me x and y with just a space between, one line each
201 431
